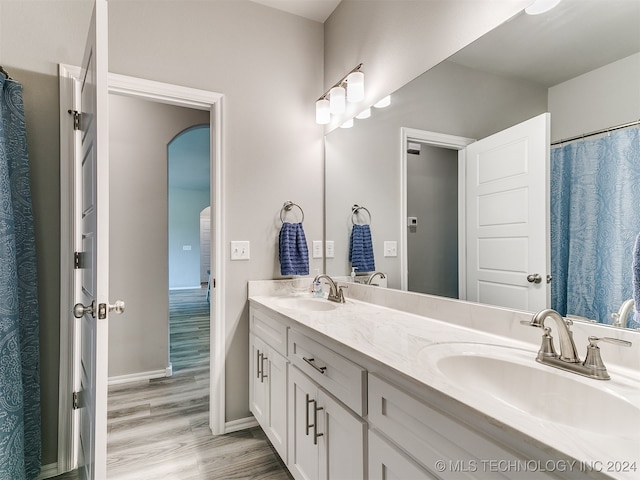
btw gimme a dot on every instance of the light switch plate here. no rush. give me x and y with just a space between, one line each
317 249
390 249
329 249
240 250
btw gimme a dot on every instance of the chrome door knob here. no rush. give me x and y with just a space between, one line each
534 278
79 310
117 307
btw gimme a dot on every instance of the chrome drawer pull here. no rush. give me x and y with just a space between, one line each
311 361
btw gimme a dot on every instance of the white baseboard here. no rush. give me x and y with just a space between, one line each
195 287
137 377
48 471
240 424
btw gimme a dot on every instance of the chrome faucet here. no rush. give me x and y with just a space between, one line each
335 293
568 359
373 275
620 318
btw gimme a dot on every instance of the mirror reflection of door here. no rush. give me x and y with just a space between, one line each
432 238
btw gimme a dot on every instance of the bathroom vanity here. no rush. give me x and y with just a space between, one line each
393 384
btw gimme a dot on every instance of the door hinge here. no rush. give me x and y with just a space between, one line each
77 116
76 400
79 260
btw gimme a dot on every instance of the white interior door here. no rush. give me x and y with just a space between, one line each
507 226
91 224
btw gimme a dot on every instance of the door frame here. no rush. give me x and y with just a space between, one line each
162 93
441 140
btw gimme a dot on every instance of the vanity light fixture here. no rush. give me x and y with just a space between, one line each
337 103
347 124
323 113
334 101
366 113
383 102
541 6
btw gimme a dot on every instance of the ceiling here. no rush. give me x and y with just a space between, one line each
574 38
317 10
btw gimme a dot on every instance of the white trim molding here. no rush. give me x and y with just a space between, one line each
240 424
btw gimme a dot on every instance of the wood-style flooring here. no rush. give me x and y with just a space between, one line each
158 429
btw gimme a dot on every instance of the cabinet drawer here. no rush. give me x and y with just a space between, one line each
336 374
430 436
271 331
386 461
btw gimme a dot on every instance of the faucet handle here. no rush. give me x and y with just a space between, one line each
593 341
593 360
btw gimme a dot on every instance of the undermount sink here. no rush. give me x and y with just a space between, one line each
307 304
511 377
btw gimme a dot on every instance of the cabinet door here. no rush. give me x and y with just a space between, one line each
387 463
342 455
276 421
258 392
303 451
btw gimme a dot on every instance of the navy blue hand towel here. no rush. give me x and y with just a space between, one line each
361 249
636 280
294 254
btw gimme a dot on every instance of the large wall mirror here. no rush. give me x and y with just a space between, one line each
581 63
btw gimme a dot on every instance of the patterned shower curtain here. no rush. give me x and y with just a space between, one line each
19 346
595 218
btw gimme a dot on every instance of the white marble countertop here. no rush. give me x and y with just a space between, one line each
402 340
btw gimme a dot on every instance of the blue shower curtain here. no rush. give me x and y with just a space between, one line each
595 218
19 347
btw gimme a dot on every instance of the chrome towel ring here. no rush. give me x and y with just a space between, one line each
355 211
287 207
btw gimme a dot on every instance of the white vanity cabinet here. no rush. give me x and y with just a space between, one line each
417 437
268 378
326 439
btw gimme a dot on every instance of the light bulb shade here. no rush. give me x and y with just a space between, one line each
541 6
337 102
364 114
384 102
323 115
355 87
347 124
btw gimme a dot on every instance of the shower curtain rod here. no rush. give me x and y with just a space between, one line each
597 132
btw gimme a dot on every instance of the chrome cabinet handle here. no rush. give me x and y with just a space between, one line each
534 278
79 310
316 435
259 364
311 361
262 375
306 413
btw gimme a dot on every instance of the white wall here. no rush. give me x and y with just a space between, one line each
398 40
603 98
185 206
139 132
